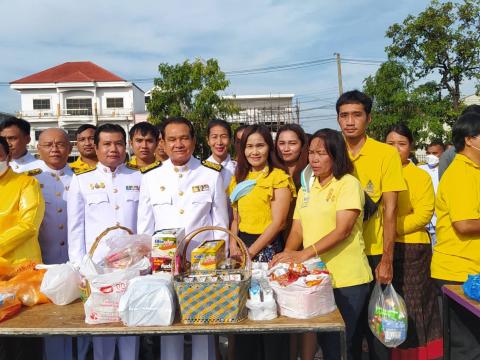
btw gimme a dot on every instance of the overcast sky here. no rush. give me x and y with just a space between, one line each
130 38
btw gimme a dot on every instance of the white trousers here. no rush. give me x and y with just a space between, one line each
57 348
104 347
203 347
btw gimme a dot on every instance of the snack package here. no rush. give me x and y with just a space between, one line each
9 304
61 283
164 247
148 301
127 250
209 255
387 316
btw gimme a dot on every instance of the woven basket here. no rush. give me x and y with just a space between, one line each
213 302
84 286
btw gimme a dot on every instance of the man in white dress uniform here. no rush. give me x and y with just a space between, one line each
183 192
17 133
98 199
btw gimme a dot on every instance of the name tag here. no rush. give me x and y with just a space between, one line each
132 187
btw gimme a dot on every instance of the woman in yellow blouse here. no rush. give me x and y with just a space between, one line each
21 212
260 193
328 223
413 253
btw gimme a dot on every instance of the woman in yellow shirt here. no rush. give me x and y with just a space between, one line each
260 193
412 256
328 223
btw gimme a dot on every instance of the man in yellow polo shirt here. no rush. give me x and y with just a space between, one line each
457 251
143 142
379 169
88 156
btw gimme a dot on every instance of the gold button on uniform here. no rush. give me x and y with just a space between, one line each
59 210
60 226
175 169
62 243
181 211
115 191
180 175
180 193
162 188
117 207
57 194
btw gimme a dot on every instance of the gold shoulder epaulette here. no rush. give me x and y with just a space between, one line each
33 172
132 166
83 171
212 165
147 168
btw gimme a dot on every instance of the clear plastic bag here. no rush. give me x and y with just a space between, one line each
126 250
148 301
61 283
387 316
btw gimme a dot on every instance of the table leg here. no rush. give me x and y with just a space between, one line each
343 344
446 326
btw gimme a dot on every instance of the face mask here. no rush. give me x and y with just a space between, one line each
242 189
3 166
432 160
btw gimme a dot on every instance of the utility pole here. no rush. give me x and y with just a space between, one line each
339 69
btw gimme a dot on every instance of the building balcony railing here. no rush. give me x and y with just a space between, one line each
75 114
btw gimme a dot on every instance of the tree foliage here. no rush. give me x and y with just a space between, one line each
444 39
190 89
397 99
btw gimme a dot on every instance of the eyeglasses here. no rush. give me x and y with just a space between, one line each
60 146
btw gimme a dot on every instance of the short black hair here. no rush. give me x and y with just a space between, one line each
144 128
472 108
84 127
467 125
4 144
219 122
109 128
401 129
160 129
437 142
178 120
23 125
355 97
336 149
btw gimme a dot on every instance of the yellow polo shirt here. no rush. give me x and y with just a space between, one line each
415 206
458 198
379 169
21 214
255 209
317 212
80 165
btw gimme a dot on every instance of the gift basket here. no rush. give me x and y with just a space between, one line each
208 296
106 282
302 290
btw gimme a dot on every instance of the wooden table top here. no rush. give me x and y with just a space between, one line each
456 293
50 319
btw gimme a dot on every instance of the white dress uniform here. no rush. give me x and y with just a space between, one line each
433 172
98 199
25 163
228 169
189 196
53 238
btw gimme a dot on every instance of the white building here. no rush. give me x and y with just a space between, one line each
272 110
76 93
471 100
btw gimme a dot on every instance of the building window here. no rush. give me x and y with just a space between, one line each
115 102
79 106
41 104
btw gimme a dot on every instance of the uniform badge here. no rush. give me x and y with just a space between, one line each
34 172
132 187
212 165
91 186
330 196
101 185
199 188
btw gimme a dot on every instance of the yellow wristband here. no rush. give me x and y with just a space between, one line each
315 249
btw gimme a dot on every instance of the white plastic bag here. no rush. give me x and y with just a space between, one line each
61 283
387 316
304 302
148 301
262 310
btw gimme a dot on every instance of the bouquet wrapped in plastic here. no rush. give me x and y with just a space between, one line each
387 316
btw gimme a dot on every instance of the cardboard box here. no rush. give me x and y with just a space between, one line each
164 247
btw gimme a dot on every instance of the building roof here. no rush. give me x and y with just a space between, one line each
259 97
77 71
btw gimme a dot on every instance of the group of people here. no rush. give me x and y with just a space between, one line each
359 204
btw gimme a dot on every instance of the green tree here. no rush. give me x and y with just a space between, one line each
396 99
190 89
444 39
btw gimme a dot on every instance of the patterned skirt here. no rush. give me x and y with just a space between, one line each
267 253
411 279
